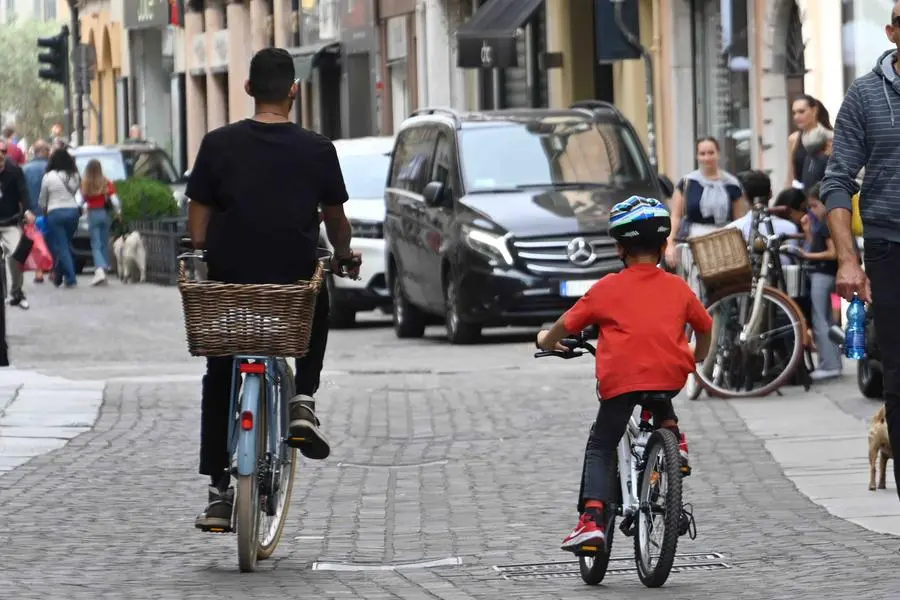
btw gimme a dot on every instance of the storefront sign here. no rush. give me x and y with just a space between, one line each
396 38
197 62
146 14
218 58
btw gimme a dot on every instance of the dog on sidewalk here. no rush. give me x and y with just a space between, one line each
131 258
879 448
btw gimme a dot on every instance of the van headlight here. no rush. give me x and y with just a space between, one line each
491 245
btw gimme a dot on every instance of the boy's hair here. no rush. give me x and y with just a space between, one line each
814 192
756 184
792 198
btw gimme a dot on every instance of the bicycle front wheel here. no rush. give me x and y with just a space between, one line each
659 517
280 485
246 501
743 364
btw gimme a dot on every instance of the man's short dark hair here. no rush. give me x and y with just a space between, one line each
271 75
756 184
792 198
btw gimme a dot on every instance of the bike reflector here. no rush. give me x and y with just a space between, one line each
246 420
646 415
256 368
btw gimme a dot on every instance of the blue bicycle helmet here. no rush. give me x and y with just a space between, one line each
640 222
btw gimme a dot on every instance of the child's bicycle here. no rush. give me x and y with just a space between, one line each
649 495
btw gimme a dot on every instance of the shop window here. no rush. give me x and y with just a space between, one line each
722 78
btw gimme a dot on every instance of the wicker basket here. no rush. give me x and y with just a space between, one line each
721 257
224 319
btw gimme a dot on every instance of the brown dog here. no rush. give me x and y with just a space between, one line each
879 447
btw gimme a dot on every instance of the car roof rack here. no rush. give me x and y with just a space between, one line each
437 110
594 105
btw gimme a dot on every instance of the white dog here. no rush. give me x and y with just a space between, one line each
131 257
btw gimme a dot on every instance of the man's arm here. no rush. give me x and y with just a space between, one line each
334 195
201 194
24 196
839 184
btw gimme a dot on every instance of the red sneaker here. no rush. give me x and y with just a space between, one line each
683 451
589 532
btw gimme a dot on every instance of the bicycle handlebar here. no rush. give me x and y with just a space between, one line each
577 345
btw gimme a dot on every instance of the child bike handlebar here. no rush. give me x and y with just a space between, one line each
577 345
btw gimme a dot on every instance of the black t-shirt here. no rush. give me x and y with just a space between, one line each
819 243
264 183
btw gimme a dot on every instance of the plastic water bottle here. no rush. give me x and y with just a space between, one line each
855 335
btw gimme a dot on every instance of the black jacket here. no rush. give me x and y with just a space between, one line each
14 199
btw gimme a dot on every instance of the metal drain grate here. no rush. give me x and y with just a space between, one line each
618 565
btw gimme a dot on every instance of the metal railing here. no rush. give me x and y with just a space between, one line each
161 242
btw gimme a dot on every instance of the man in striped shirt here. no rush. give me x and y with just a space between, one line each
867 135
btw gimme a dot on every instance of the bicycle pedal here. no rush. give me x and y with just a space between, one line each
215 529
686 471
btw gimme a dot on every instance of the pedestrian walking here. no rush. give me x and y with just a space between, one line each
810 146
13 152
14 208
58 201
34 173
99 200
704 200
867 134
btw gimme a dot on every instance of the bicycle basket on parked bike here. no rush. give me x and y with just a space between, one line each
224 319
721 257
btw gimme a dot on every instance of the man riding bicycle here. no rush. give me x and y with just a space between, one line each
255 190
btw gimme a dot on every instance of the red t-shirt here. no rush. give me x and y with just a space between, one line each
15 154
641 313
99 200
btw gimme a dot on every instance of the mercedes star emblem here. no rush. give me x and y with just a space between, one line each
580 252
487 52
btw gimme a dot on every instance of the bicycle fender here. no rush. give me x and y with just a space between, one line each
246 445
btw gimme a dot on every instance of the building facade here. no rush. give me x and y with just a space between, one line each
39 10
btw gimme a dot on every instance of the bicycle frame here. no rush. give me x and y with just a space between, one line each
242 442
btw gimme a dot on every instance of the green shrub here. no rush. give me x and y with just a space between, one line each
143 198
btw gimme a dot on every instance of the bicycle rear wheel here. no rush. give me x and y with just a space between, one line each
281 473
763 362
246 501
660 481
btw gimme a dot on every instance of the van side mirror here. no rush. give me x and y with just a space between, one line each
668 188
433 194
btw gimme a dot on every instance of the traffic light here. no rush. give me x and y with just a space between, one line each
55 61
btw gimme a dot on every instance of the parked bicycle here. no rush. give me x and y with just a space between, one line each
257 324
759 332
649 494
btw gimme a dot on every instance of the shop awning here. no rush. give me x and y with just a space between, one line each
306 58
488 39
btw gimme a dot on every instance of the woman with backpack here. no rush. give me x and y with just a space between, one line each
59 188
99 199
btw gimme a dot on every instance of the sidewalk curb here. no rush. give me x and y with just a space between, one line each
41 413
823 450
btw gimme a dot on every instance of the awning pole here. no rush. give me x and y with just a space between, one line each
648 81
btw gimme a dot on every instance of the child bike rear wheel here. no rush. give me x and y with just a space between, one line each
282 468
247 504
660 509
593 565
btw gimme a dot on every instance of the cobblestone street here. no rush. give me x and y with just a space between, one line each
465 455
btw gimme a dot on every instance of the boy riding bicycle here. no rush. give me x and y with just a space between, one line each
643 355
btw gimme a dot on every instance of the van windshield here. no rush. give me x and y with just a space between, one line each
550 153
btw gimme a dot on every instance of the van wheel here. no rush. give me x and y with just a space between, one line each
409 322
869 380
458 331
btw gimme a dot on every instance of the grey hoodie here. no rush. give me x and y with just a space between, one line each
867 134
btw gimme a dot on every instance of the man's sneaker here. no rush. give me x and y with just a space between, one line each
589 532
683 451
304 429
217 516
99 277
19 300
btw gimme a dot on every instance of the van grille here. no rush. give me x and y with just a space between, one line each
548 256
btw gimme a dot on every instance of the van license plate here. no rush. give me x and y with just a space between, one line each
575 289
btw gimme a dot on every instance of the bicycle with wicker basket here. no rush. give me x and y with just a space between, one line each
257 324
758 330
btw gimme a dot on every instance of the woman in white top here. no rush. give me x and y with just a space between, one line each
59 188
